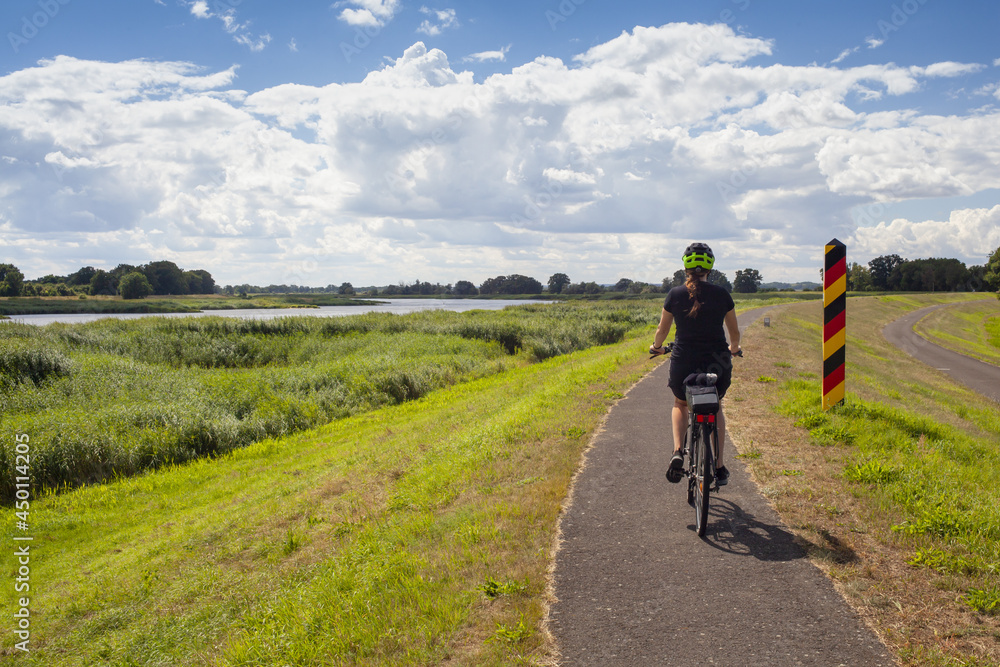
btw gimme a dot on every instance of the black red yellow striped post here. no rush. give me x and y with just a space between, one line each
834 322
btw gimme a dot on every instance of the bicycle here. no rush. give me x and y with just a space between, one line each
701 441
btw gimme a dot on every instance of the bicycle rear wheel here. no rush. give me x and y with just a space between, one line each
702 469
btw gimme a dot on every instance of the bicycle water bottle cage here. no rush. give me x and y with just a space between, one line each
702 396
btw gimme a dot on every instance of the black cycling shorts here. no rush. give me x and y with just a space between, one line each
720 363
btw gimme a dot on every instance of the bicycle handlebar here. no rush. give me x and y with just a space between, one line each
669 347
664 349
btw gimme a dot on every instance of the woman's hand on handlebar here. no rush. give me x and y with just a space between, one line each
657 351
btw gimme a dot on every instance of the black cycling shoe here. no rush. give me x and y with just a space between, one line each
676 469
721 476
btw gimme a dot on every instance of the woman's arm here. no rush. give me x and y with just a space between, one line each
666 321
734 331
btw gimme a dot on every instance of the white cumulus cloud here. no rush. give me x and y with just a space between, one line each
440 19
375 13
200 9
605 166
970 234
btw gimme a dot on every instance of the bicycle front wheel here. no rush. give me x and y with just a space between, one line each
702 478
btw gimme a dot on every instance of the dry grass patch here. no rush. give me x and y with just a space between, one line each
882 547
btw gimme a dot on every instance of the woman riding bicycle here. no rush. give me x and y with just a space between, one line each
700 309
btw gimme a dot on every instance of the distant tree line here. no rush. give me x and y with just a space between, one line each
131 282
884 273
247 288
892 273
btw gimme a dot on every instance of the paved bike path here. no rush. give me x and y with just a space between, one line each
636 586
977 375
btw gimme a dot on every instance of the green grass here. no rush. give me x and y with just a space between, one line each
411 534
984 601
897 500
116 397
972 329
992 326
938 479
172 304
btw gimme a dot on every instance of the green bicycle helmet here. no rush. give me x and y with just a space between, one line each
699 256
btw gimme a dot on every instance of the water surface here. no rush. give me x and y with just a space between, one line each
397 306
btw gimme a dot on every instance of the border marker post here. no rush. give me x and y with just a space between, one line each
834 322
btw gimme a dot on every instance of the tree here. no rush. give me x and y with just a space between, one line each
622 285
346 289
81 277
122 270
11 280
719 278
165 277
636 287
859 278
679 277
747 281
464 288
134 285
200 281
518 284
583 288
557 281
931 275
991 274
103 283
881 269
512 284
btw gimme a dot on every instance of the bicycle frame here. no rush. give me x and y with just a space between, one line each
701 443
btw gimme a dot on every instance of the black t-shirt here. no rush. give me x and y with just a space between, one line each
704 332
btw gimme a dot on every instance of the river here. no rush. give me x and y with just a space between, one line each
398 306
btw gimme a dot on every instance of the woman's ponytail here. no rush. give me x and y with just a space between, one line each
693 284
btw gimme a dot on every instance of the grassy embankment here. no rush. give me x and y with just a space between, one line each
52 305
413 534
116 397
972 329
417 534
894 494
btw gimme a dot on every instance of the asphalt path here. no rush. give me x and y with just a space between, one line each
977 375
635 585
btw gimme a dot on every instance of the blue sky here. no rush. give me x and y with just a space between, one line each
380 141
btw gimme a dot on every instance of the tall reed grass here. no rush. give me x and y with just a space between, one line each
113 398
